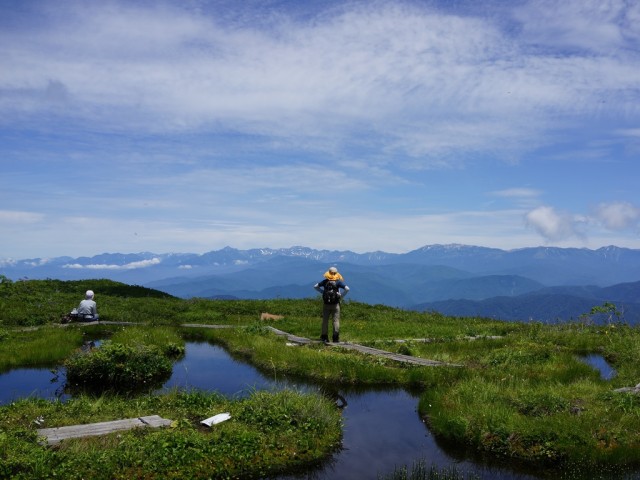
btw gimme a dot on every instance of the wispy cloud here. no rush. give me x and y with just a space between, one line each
128 266
589 25
419 81
16 217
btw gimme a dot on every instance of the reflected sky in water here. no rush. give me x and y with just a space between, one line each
607 372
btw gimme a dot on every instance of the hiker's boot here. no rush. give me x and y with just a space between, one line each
336 337
324 338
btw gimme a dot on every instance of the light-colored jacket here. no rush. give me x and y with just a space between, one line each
88 307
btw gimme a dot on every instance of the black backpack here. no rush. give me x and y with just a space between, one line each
330 294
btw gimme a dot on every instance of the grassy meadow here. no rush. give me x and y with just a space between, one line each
520 394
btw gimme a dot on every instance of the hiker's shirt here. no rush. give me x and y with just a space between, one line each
88 307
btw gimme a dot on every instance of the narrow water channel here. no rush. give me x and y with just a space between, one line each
607 372
382 429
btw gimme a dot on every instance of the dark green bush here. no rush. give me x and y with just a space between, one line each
119 368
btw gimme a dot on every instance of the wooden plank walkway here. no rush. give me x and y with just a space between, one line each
54 436
290 337
202 325
368 350
395 356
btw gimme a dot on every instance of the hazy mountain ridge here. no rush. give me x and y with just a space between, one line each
546 305
458 279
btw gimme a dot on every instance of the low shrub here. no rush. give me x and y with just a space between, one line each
165 338
117 367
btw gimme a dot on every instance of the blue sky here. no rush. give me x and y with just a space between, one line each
187 126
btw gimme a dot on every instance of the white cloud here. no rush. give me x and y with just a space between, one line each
618 216
552 224
128 266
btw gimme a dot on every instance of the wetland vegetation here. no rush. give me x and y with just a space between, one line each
521 392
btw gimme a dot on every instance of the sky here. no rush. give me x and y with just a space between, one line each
190 125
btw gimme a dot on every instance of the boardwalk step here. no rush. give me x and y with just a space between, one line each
56 435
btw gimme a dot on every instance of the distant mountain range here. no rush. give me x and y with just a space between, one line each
541 283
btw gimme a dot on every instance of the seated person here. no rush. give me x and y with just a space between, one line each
87 310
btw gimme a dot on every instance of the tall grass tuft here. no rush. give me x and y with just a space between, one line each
421 471
166 339
44 348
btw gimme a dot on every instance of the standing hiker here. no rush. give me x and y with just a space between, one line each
331 296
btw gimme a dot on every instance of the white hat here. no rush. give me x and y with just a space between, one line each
333 270
89 294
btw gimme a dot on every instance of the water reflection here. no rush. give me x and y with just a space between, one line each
210 367
382 429
600 364
32 382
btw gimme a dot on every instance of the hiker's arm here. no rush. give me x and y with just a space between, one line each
318 287
346 290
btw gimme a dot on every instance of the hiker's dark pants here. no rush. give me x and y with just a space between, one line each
333 311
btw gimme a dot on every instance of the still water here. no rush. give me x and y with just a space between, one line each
382 429
598 362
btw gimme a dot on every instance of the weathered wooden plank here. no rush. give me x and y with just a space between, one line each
57 434
393 356
202 325
155 421
110 322
290 337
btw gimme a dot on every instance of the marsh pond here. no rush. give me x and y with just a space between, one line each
382 429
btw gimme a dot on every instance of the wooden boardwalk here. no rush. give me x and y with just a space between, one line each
54 436
368 350
395 356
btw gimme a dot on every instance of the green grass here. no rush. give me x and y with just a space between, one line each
521 394
42 348
41 302
529 397
167 339
274 355
268 433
